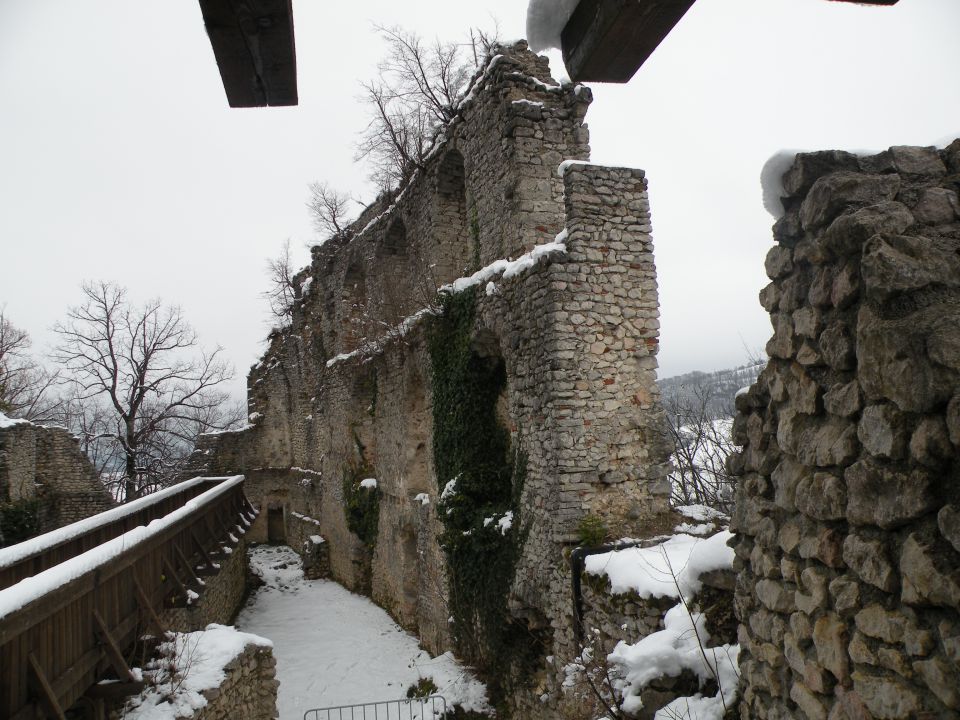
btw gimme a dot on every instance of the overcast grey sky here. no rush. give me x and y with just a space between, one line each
120 160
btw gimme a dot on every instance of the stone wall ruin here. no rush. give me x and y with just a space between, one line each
347 390
848 506
46 465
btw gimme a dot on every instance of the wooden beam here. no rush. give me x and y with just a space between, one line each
113 650
253 43
48 697
608 40
147 607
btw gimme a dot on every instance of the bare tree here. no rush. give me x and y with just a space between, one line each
417 92
142 363
281 293
701 437
328 208
25 385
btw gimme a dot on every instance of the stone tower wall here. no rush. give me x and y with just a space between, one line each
46 463
576 330
848 506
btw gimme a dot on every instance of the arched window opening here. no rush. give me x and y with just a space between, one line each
394 243
353 306
455 248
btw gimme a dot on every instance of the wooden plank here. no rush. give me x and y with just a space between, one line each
147 607
34 612
46 694
253 43
113 651
608 40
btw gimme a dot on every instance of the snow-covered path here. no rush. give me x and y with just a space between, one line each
333 647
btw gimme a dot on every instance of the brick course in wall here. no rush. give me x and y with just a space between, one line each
848 501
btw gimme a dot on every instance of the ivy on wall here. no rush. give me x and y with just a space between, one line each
482 479
19 521
361 505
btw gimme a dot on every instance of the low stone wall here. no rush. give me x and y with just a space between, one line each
848 505
249 690
46 464
221 597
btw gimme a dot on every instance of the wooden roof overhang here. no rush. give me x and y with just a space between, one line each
254 46
608 40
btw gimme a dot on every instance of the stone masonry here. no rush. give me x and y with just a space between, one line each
848 506
46 463
348 384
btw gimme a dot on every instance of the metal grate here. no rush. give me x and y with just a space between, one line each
428 708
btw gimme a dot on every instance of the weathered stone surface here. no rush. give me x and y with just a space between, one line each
898 263
843 400
883 431
830 638
837 346
917 162
860 433
812 708
930 443
894 362
808 167
931 576
846 596
942 678
831 194
887 698
870 560
886 625
822 496
879 495
779 262
937 206
953 420
776 596
848 233
948 520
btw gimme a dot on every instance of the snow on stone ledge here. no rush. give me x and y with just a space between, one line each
771 180
205 655
771 176
666 569
545 22
681 645
7 422
507 269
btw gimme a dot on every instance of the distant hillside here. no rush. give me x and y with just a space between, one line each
713 390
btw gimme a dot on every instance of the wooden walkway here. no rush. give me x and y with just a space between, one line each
75 601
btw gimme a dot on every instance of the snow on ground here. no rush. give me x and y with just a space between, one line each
204 654
334 647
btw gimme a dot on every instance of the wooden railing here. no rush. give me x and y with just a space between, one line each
69 626
40 553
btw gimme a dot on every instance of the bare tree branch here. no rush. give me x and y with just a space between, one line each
137 383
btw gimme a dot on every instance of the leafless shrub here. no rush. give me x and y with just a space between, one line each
701 438
26 387
416 93
329 210
280 293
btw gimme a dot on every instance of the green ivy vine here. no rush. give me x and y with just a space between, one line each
481 477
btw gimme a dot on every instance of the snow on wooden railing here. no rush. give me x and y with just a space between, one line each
45 551
61 628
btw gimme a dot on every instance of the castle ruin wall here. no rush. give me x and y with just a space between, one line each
347 387
848 501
